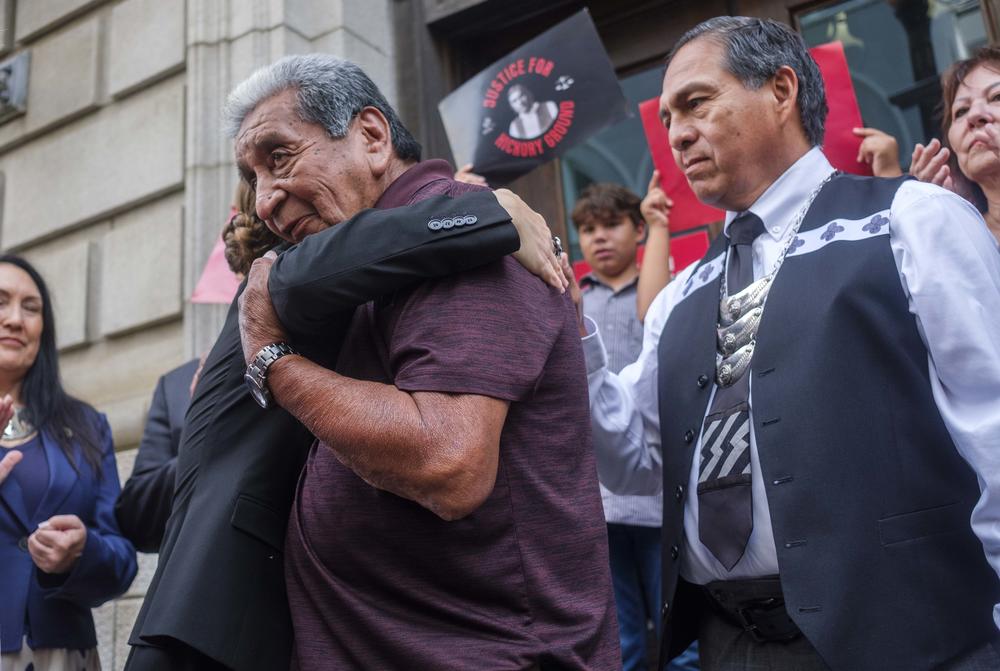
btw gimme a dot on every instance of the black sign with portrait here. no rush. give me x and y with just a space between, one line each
535 103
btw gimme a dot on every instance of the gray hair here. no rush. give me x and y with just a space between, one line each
331 92
755 50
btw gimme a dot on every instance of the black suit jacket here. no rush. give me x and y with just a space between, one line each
143 506
219 586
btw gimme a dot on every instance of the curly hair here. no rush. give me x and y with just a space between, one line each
246 236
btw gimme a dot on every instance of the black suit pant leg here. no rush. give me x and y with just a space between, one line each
725 646
172 656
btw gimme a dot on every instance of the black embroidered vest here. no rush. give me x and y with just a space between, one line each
869 499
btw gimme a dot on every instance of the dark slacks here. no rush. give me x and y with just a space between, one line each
725 646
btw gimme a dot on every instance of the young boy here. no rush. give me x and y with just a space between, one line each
610 226
611 222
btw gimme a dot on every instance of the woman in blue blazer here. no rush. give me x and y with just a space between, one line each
61 552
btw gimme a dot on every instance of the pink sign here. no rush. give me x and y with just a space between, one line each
217 284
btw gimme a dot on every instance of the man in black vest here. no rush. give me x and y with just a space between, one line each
823 521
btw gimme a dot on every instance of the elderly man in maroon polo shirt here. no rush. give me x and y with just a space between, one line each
448 516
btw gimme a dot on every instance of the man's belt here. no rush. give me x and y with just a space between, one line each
757 605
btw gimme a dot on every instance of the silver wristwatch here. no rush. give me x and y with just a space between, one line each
256 375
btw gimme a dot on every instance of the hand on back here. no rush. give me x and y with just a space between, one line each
536 253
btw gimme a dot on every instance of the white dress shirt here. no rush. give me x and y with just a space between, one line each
949 269
616 315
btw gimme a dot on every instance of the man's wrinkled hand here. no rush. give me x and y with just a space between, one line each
259 325
536 252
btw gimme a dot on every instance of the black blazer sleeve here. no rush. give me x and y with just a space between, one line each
316 282
145 502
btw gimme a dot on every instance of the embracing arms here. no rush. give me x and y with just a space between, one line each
314 283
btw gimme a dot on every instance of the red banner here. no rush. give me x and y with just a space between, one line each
687 248
840 144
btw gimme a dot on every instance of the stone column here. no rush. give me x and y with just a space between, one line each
226 41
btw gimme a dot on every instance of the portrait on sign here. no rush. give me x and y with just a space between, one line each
529 107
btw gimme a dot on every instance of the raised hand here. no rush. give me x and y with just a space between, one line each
992 137
656 206
655 271
12 457
879 150
8 463
930 164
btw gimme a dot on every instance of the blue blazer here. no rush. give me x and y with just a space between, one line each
56 608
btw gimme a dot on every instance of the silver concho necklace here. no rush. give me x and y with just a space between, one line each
18 427
741 313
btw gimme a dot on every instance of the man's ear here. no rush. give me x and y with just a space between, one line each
376 138
785 88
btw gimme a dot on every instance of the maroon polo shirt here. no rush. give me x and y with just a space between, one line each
376 581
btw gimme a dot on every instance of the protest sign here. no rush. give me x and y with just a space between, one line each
535 103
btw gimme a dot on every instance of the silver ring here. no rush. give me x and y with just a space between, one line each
557 245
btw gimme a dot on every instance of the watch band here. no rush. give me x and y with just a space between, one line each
256 374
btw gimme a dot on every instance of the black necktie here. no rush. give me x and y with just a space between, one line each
742 232
725 502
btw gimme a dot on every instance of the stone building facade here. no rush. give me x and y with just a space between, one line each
116 180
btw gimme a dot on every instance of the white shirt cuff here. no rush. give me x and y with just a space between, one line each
593 347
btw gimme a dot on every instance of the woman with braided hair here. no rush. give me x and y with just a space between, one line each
246 236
